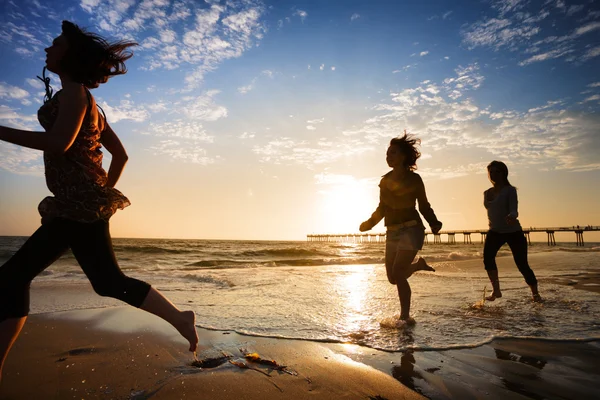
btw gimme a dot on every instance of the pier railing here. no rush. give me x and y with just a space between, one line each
370 237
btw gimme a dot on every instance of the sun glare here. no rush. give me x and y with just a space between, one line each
346 206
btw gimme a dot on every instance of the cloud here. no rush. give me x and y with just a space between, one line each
183 152
202 107
550 136
191 131
591 53
247 88
10 92
302 14
247 135
35 83
25 38
522 27
181 32
354 16
125 110
595 97
89 5
556 53
21 160
17 159
287 151
423 53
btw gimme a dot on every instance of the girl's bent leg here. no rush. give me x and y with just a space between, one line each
92 246
9 331
184 321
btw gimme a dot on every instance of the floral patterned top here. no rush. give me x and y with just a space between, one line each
76 178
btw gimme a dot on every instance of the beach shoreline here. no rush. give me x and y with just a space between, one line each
125 353
77 344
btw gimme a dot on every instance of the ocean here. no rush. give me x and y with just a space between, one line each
338 292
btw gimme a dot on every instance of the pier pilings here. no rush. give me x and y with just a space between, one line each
451 235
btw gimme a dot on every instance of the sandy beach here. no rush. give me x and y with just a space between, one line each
109 351
124 353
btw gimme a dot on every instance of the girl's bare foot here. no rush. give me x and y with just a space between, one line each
187 328
421 265
408 320
495 295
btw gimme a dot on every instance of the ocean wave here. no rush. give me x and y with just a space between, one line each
152 250
578 250
209 279
286 252
413 347
300 262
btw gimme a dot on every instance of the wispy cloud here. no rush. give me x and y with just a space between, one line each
176 150
302 14
549 136
17 159
125 110
288 151
183 32
9 92
523 27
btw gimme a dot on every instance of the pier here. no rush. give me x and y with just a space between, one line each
451 235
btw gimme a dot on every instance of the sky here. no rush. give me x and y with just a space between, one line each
270 120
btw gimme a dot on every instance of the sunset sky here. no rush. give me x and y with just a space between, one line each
270 120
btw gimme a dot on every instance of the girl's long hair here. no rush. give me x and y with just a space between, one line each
408 145
91 59
502 167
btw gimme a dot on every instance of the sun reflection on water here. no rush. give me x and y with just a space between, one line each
354 288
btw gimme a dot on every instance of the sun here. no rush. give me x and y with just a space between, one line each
345 206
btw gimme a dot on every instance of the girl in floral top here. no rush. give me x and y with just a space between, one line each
85 198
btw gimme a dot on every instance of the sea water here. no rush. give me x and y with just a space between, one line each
338 292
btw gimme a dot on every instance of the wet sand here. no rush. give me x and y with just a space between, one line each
118 352
124 353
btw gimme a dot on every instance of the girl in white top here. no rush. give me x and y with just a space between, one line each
501 203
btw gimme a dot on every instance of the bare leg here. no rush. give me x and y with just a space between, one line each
496 293
420 265
534 292
404 294
184 321
402 270
9 331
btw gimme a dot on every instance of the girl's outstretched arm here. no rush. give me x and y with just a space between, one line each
371 222
425 208
119 156
73 104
